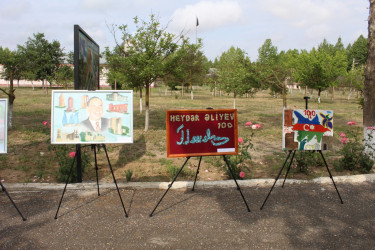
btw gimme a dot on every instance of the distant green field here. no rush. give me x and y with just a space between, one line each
29 158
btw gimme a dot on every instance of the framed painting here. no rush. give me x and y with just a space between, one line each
86 61
305 129
201 132
91 117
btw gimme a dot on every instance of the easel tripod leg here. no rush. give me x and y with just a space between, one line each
269 193
234 178
196 175
330 175
114 180
287 171
96 168
170 185
11 200
66 183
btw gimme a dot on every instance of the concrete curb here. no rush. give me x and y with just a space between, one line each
353 179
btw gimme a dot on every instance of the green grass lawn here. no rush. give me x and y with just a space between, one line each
29 158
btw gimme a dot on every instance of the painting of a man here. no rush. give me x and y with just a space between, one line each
95 122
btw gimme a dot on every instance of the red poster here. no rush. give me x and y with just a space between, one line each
202 132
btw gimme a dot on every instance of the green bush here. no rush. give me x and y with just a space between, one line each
353 156
305 160
128 174
64 155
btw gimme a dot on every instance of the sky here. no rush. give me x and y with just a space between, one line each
246 24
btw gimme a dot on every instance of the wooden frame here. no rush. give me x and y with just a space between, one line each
202 132
73 113
304 129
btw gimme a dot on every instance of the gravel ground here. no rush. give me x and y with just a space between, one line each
298 216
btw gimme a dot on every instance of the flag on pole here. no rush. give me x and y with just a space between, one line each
197 23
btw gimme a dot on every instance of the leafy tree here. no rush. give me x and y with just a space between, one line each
212 80
116 72
186 66
43 57
234 72
64 76
144 59
357 53
320 68
13 63
274 68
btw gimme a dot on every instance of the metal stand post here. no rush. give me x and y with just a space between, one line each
277 177
294 151
170 185
330 175
196 174
200 159
66 184
93 147
114 180
234 178
14 204
97 178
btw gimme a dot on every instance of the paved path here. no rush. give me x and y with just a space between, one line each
298 216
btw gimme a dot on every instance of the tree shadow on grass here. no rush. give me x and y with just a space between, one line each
132 152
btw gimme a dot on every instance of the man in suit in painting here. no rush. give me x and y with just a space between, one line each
95 122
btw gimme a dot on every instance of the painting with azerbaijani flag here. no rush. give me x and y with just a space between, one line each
305 129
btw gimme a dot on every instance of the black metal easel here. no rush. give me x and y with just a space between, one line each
14 204
290 164
200 159
93 147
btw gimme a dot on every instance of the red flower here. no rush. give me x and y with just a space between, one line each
256 126
45 123
72 154
344 140
240 140
242 174
248 124
342 135
351 123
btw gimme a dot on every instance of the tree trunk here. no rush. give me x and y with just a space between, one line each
234 100
11 99
284 95
140 101
319 91
333 93
147 107
369 85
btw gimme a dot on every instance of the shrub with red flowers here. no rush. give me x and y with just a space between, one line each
353 153
237 162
